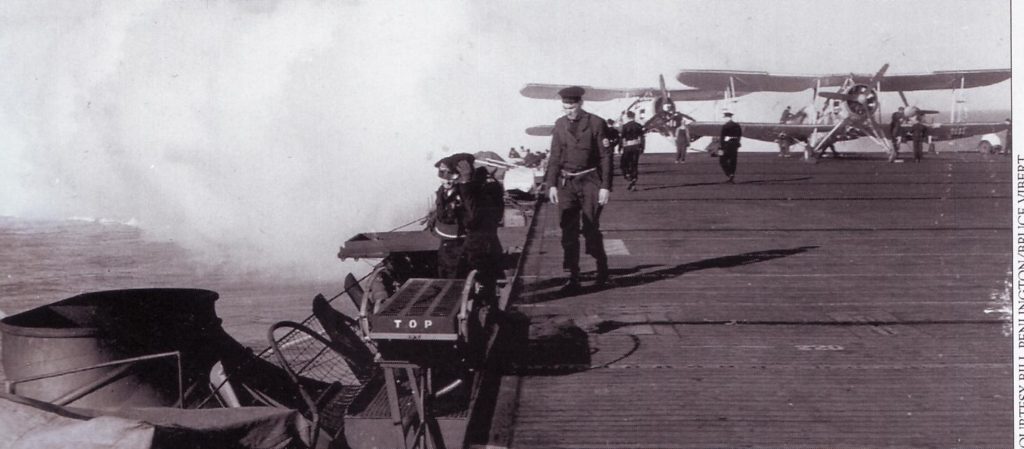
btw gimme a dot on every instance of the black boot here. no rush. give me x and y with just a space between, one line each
602 273
572 285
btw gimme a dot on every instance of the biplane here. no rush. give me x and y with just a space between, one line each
854 110
665 118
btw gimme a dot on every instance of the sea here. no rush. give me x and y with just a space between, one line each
42 261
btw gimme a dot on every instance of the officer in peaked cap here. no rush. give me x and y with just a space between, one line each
730 141
571 94
579 180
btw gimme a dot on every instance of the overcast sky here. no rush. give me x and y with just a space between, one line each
271 130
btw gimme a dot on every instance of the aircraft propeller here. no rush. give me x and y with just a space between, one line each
911 111
861 103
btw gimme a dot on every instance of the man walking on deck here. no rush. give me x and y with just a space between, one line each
730 141
632 147
579 179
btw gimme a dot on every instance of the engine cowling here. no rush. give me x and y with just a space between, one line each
861 100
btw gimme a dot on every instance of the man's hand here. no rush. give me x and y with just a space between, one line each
607 143
465 170
603 196
553 195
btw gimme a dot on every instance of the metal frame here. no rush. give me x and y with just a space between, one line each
84 390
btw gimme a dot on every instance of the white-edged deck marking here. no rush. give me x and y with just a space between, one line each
615 247
819 348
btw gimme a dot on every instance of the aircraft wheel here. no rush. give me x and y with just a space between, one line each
984 147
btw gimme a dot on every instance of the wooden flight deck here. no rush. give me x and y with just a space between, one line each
851 303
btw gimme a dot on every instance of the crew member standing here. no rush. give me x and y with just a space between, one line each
784 143
447 223
730 141
484 203
633 145
895 127
677 123
579 177
919 132
682 143
1008 145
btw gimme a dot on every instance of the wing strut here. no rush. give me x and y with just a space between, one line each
829 138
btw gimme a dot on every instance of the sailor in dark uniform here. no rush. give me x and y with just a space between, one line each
1008 145
633 145
895 125
730 141
447 224
483 199
579 178
919 132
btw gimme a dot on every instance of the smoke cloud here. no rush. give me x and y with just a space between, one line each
260 134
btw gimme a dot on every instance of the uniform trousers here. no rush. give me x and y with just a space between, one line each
682 144
577 200
629 162
484 253
729 157
451 263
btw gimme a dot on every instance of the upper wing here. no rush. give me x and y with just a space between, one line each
764 81
768 132
541 130
744 81
550 92
944 80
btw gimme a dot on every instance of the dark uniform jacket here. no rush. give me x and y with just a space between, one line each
730 130
632 132
579 151
484 203
918 132
613 136
894 124
448 221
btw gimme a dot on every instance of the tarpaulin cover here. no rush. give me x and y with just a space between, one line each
30 424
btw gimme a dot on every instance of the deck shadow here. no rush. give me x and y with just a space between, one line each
632 277
543 346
